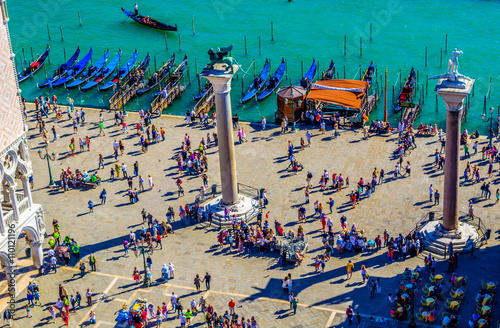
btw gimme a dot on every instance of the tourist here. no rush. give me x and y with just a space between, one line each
232 305
263 123
349 268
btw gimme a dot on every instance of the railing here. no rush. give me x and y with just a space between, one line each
9 218
23 205
123 95
206 102
476 222
19 197
160 102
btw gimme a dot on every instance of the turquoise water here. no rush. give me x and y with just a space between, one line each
303 30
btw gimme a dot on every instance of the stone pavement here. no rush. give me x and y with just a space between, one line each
253 280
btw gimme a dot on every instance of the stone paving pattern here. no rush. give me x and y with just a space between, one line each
253 280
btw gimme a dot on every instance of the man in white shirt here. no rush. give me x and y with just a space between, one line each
115 145
53 261
431 192
173 300
124 170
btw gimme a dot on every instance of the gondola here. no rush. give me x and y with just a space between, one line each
369 73
175 77
74 71
158 76
329 73
150 22
406 94
34 66
203 91
122 72
308 78
273 82
103 74
62 70
257 83
138 73
91 72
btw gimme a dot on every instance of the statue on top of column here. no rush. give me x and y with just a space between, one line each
221 56
453 79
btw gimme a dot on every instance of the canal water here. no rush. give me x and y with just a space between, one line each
302 30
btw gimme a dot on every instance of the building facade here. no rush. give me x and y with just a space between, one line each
19 213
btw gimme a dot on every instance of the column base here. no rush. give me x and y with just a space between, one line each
436 238
244 209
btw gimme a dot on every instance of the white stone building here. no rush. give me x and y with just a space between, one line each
19 213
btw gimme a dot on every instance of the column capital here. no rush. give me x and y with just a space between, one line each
36 243
12 188
24 177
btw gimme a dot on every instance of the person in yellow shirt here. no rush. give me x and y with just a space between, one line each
350 268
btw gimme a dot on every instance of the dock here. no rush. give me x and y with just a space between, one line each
173 89
206 102
123 94
410 113
160 103
370 103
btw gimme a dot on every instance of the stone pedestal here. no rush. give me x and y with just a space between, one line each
437 236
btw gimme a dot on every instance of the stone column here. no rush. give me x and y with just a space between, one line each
227 160
27 189
10 275
451 169
36 253
13 198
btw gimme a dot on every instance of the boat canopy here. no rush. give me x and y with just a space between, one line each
346 93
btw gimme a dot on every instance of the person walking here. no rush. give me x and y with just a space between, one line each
88 294
436 197
197 282
364 273
431 193
349 268
92 262
207 280
373 288
82 269
295 301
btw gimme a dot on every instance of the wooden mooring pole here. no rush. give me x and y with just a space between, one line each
48 31
79 18
62 37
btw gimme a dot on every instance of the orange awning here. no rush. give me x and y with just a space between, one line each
347 98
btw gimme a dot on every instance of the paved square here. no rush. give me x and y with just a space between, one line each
253 280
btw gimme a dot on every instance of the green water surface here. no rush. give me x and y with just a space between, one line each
303 29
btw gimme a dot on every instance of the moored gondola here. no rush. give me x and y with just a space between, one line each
91 72
122 72
203 91
34 66
308 78
329 73
257 83
61 71
73 72
158 76
369 73
103 74
273 82
406 94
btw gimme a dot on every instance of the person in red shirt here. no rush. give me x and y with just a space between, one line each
231 305
144 317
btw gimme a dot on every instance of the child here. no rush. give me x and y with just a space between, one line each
28 310
91 206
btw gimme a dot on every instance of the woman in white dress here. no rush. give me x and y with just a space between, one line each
150 181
